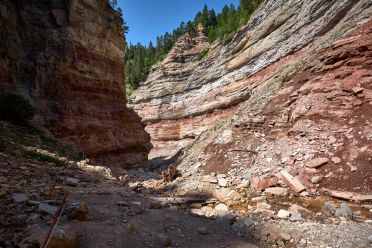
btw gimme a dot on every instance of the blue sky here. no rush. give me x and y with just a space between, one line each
148 19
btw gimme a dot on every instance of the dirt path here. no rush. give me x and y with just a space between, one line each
113 224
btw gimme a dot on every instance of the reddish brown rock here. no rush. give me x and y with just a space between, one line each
351 196
277 191
297 209
261 183
292 182
68 58
336 160
316 163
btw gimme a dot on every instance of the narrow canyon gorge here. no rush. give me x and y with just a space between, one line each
262 138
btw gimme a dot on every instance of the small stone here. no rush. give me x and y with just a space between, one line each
244 184
260 183
295 217
316 179
344 211
137 207
202 230
78 211
370 238
259 199
316 163
297 209
155 205
3 179
196 205
353 168
210 179
34 236
283 214
291 161
225 194
49 209
263 205
336 160
221 207
122 204
165 239
285 236
230 218
248 175
277 191
329 208
19 198
267 213
356 90
222 182
70 181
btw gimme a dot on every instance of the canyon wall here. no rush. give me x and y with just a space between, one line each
67 57
184 96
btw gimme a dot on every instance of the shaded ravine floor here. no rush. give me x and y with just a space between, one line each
109 226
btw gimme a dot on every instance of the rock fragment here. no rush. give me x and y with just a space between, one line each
279 191
317 162
48 209
344 211
283 214
19 198
292 182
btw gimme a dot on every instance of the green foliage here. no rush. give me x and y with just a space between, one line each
15 108
140 58
202 54
44 157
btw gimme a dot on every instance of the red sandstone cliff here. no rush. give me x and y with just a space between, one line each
68 58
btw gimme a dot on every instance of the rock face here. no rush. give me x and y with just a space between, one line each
291 86
67 57
183 96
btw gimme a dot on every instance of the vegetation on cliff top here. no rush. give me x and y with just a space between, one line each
140 58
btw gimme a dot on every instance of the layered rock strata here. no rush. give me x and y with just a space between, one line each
312 135
184 97
68 58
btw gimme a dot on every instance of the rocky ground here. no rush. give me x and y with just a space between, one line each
139 208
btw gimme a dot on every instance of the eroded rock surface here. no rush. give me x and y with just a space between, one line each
184 96
322 112
68 57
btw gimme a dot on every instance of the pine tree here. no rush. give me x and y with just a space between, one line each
139 58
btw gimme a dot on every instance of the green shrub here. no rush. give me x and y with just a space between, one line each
202 54
44 157
15 108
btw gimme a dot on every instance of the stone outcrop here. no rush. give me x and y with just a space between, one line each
313 133
184 96
68 58
291 86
